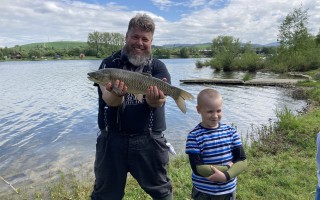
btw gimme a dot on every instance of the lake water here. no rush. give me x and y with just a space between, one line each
48 112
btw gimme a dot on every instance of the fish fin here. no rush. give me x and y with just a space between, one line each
181 104
186 95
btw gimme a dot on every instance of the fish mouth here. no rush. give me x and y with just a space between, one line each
91 76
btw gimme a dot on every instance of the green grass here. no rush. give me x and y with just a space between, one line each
55 45
247 76
281 166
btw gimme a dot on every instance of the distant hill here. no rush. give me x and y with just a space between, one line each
200 46
273 44
55 45
208 45
79 44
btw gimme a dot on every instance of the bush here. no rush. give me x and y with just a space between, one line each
200 64
247 62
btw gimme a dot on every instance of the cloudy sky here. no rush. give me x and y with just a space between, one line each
177 21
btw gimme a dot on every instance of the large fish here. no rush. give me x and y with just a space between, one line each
138 83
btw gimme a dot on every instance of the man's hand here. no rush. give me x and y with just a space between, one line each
155 97
112 93
118 88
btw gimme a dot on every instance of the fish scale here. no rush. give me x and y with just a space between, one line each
138 83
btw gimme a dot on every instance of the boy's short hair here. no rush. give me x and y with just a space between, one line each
212 93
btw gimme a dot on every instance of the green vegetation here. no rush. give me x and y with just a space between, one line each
92 50
105 43
48 51
54 45
247 77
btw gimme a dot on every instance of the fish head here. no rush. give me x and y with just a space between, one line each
99 77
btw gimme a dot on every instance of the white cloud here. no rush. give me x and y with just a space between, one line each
29 21
163 4
195 3
250 21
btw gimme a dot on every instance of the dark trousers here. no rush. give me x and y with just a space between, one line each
317 197
145 156
197 195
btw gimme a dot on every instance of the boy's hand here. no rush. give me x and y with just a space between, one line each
217 176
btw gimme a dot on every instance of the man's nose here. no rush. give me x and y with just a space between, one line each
140 42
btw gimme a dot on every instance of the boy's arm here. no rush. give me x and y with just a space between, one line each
240 163
201 169
236 169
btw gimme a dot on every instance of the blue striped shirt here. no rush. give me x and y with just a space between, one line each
215 147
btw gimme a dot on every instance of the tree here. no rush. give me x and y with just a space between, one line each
113 41
225 49
184 52
160 52
318 38
34 53
223 44
95 41
105 43
297 51
293 32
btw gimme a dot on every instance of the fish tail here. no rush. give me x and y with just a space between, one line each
181 104
180 100
186 95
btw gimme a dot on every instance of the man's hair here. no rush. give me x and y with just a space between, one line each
143 22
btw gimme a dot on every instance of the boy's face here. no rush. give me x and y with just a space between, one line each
210 110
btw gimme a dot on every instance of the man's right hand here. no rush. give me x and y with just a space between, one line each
112 93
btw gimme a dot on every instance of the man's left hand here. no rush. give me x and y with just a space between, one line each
155 97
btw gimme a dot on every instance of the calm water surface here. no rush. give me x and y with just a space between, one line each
49 109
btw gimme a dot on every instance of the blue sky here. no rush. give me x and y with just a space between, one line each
171 10
177 22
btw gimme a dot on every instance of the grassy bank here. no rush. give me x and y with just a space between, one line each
281 164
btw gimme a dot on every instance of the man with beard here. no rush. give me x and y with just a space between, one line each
131 138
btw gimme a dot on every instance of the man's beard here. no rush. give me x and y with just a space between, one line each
137 60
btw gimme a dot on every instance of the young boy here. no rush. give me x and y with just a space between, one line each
215 151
